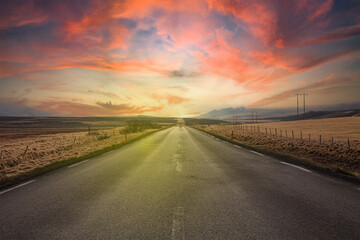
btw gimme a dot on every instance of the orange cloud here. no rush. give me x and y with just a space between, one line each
171 99
255 43
66 108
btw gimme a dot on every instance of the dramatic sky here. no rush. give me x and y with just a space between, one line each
175 58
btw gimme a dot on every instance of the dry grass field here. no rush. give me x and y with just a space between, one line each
339 128
30 143
337 155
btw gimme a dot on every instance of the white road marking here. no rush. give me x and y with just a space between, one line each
178 231
178 163
237 146
178 166
257 153
77 163
296 166
20 185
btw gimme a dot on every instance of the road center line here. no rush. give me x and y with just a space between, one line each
296 166
178 231
237 146
20 185
77 163
257 153
178 166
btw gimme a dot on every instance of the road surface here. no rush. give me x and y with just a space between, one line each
181 183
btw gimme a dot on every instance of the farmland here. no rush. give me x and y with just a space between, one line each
338 147
30 143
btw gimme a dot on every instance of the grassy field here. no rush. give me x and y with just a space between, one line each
30 143
337 155
18 127
339 128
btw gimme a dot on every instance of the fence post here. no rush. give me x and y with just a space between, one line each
280 132
320 139
301 135
25 151
349 143
258 129
309 137
285 132
332 141
275 132
270 130
232 135
125 137
266 130
292 131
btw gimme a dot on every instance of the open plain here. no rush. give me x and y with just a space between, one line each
30 143
329 143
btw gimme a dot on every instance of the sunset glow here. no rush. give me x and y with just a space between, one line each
175 58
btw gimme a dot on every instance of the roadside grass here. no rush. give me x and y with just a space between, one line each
6 182
332 171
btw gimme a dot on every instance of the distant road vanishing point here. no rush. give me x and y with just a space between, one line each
181 183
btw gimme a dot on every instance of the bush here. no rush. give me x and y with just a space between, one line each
135 126
102 137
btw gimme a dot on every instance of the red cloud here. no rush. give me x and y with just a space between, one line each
255 43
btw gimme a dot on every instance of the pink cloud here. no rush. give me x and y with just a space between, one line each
254 43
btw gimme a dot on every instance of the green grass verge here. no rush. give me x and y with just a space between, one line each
335 171
6 182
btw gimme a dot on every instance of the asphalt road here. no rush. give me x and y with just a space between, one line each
181 183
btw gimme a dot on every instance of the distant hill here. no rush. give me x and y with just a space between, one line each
201 121
246 113
321 115
243 113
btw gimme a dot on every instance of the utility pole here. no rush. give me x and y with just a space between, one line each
297 105
304 103
252 117
256 117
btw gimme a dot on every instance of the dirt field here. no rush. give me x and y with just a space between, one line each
334 155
